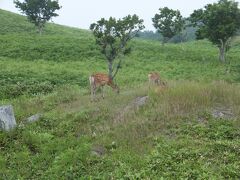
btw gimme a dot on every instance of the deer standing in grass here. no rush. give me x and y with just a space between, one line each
99 80
154 78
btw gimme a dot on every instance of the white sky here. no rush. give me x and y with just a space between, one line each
81 14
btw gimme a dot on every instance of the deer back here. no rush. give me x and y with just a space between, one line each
102 79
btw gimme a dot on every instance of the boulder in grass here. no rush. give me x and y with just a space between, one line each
7 119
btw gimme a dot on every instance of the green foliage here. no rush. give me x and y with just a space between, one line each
176 124
70 164
38 12
217 22
168 23
34 76
58 48
113 36
190 158
59 145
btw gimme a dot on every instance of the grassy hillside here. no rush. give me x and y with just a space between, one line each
178 133
12 23
33 64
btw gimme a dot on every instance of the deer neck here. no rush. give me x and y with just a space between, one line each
111 84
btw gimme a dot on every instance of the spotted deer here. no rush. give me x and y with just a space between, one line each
154 78
99 80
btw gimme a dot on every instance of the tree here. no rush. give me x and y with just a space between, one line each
218 22
168 23
38 12
113 36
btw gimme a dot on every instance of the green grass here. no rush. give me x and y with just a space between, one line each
12 23
174 135
59 145
33 64
21 76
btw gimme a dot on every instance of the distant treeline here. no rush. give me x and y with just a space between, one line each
188 34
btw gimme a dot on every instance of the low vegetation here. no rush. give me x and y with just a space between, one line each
175 134
188 130
190 61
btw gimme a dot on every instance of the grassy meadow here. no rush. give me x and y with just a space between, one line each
175 135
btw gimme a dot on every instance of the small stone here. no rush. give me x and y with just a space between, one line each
98 150
34 118
140 101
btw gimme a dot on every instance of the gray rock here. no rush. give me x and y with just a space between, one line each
98 150
140 101
34 118
7 119
222 112
217 114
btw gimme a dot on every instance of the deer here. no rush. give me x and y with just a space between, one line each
99 80
154 78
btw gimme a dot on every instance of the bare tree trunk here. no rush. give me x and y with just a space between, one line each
165 40
40 29
118 67
110 69
222 55
225 45
222 50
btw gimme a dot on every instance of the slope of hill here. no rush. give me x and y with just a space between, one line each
68 55
12 23
188 130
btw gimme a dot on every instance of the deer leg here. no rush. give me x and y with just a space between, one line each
92 87
149 83
102 92
92 93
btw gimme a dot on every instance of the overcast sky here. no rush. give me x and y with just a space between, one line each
81 14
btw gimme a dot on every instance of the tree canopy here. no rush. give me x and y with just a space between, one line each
113 35
168 22
218 22
38 12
